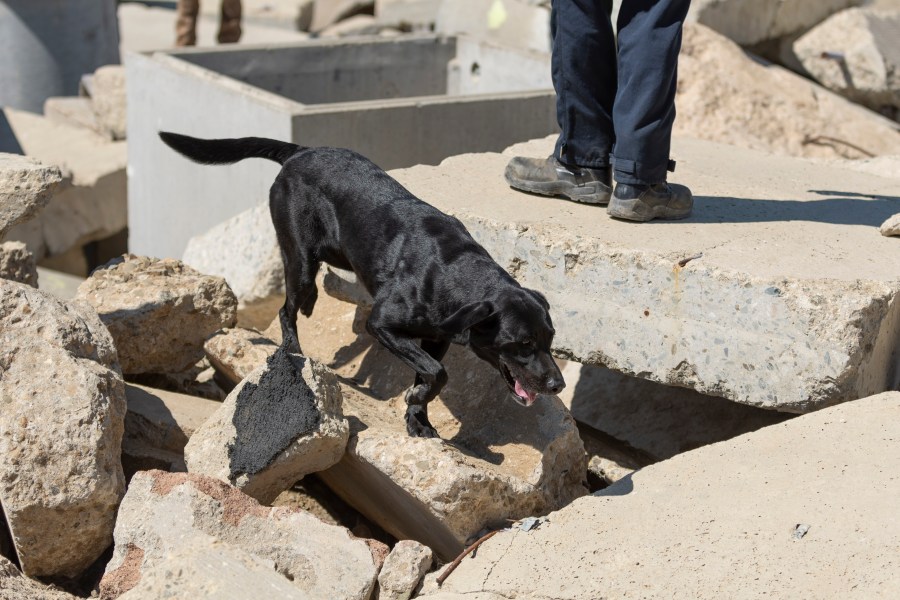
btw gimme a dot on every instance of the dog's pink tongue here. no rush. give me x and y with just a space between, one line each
528 397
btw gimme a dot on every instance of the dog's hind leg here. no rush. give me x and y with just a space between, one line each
300 294
430 374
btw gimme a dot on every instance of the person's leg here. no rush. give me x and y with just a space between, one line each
583 66
584 75
649 42
186 22
230 22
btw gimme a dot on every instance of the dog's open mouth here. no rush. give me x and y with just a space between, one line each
519 393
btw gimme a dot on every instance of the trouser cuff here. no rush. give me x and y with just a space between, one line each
633 172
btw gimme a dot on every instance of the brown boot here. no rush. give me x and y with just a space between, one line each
186 24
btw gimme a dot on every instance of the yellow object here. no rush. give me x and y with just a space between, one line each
497 15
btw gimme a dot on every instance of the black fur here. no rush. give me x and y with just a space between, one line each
431 281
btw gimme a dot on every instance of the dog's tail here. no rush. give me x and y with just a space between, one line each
227 151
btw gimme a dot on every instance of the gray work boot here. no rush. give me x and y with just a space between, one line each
549 177
648 202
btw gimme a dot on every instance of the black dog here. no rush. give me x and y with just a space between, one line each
430 280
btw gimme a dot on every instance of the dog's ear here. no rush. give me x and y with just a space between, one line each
539 297
467 317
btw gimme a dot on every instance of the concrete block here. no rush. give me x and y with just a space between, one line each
749 22
399 102
743 300
854 53
167 512
283 422
726 96
90 203
26 186
891 226
108 101
17 264
509 22
48 45
73 111
411 14
722 522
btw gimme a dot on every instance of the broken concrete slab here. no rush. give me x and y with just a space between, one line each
26 186
726 96
658 419
797 326
165 511
403 570
72 111
749 22
158 424
159 312
91 204
108 100
18 264
891 226
208 568
63 408
496 460
284 421
720 522
854 53
245 252
237 352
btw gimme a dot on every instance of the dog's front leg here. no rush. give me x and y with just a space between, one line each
430 374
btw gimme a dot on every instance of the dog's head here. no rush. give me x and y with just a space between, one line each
513 333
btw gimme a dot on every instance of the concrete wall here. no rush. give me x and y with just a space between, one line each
172 199
47 45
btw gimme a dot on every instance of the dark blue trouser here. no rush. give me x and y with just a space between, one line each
616 105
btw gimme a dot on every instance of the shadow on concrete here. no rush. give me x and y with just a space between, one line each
622 487
9 143
837 208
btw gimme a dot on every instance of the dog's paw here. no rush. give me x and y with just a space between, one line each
417 424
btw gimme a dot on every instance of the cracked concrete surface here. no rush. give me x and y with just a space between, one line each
719 522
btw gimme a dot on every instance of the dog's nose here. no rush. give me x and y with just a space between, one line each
555 385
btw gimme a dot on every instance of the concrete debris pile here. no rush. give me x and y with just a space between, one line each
724 395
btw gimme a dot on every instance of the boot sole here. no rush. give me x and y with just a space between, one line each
592 193
635 210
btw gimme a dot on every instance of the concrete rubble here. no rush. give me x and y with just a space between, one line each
403 570
74 111
726 96
164 512
158 425
159 312
108 100
854 53
63 408
891 226
724 521
18 264
329 12
495 460
749 22
208 568
236 353
244 251
26 186
785 330
15 586
281 423
91 202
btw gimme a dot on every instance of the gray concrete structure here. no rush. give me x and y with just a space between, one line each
401 102
47 45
